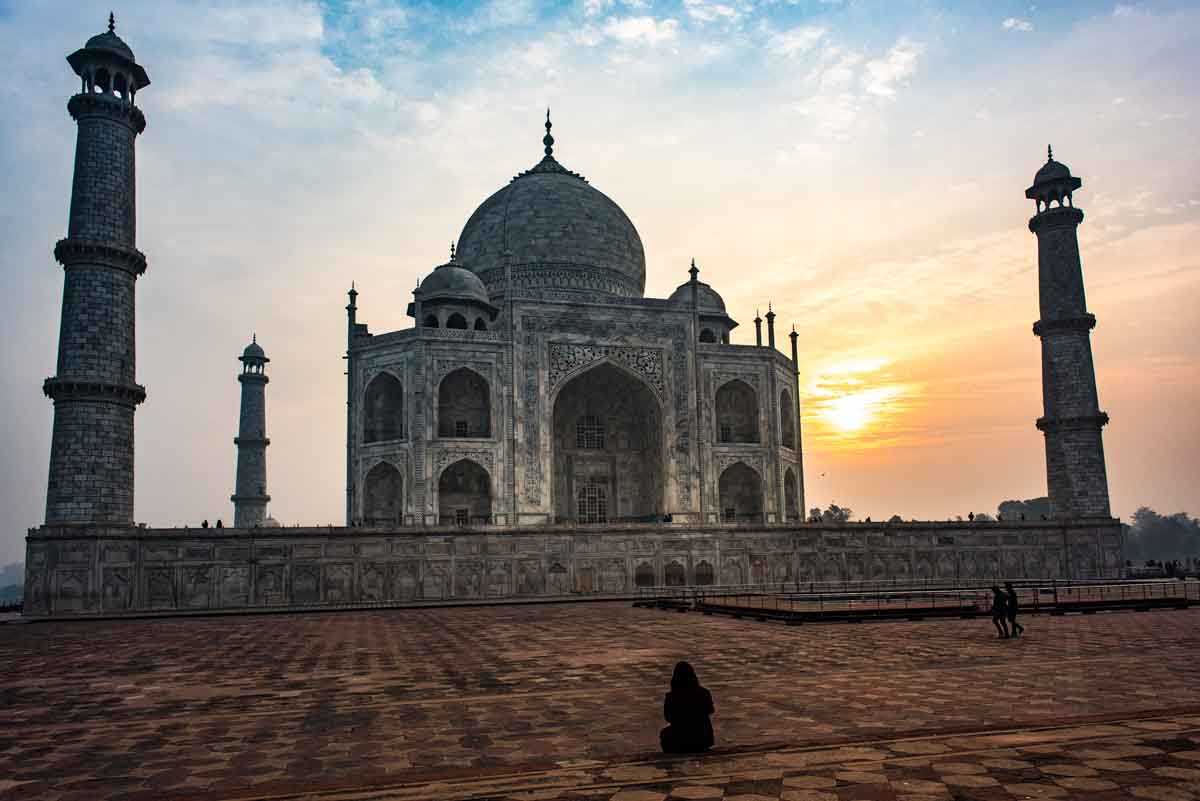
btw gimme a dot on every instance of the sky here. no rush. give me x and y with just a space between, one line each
859 165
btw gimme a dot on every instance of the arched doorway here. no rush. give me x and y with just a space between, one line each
383 409
740 495
464 405
607 450
383 496
464 495
791 493
737 412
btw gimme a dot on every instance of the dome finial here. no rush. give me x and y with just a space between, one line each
451 251
548 140
112 22
694 271
1049 153
253 338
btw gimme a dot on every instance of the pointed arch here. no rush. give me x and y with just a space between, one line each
737 412
456 320
787 420
464 405
791 495
383 496
383 409
464 494
607 451
740 493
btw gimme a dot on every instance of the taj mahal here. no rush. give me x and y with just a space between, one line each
542 430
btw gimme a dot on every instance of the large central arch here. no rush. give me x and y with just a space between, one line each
607 452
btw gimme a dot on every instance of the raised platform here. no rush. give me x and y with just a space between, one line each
111 571
564 701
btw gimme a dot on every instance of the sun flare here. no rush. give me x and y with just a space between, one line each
853 402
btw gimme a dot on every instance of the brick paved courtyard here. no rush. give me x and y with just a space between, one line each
564 701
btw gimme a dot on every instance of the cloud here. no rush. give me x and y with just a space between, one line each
882 76
499 14
1016 24
796 41
641 30
706 11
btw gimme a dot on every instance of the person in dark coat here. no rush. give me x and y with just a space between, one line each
687 708
1010 610
999 612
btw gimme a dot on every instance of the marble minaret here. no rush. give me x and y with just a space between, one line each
94 389
1072 420
250 496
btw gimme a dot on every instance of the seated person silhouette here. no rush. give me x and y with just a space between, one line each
687 708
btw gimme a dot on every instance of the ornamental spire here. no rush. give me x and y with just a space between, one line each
112 22
451 251
1049 153
548 140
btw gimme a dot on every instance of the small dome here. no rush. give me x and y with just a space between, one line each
706 296
1051 171
452 282
110 42
254 352
271 522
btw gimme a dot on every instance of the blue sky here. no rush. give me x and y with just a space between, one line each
861 165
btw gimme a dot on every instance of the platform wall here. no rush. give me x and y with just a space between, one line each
110 571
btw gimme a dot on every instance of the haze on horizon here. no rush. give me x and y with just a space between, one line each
859 165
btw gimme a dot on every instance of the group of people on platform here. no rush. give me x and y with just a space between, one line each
1004 612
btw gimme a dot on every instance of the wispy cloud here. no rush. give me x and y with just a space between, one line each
1016 24
884 75
795 41
642 30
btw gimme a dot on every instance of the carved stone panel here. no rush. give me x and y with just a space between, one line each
160 587
72 591
568 358
197 589
405 580
116 593
529 577
235 586
270 585
372 581
339 583
306 583
468 579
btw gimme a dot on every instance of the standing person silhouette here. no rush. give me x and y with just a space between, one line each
999 610
1010 609
687 708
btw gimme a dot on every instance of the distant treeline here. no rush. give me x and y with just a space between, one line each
1162 537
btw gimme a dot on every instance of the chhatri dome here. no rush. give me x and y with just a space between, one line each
558 232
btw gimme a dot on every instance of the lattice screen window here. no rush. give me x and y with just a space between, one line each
728 514
593 503
726 434
460 428
589 433
462 516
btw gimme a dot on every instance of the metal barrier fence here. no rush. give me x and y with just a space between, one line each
852 600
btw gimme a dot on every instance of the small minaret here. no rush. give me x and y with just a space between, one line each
1072 420
757 329
250 496
770 327
94 389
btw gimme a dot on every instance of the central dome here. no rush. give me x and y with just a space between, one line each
560 233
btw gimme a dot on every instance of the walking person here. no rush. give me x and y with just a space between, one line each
1010 609
999 610
687 708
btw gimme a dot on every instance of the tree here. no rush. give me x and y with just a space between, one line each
836 514
984 516
895 519
1162 537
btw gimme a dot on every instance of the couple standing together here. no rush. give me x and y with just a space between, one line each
1004 612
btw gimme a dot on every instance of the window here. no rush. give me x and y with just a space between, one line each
589 433
728 514
592 503
462 516
460 428
726 433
